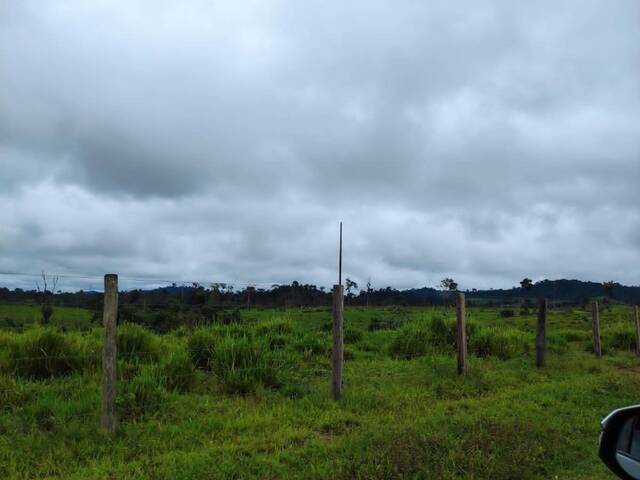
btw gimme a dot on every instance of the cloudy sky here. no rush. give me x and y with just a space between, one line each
224 141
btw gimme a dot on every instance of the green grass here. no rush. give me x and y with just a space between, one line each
402 416
71 318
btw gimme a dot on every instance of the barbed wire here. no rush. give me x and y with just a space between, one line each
143 279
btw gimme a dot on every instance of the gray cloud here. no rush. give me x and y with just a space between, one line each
215 141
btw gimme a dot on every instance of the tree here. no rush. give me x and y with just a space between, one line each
608 287
369 290
449 284
350 285
526 284
46 307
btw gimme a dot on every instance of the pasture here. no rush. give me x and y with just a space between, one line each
251 398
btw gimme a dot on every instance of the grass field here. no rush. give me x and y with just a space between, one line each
258 404
63 317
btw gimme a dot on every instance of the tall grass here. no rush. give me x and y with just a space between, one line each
243 364
43 353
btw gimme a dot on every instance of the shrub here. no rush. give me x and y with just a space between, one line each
441 333
200 346
177 371
619 337
43 353
507 313
243 364
144 394
136 343
410 342
352 335
501 343
378 323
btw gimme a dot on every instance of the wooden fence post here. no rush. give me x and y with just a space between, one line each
108 418
541 332
637 319
595 318
337 353
461 334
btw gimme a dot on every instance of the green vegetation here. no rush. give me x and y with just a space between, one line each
65 318
251 399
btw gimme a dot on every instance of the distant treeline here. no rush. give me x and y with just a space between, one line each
223 296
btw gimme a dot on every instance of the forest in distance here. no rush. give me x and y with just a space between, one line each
296 294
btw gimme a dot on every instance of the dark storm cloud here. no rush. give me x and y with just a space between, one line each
199 140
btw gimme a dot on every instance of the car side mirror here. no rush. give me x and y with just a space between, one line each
620 442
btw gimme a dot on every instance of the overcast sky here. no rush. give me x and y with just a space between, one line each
224 141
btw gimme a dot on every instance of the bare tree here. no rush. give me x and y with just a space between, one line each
46 296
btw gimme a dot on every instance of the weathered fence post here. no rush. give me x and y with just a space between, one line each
108 418
337 353
541 332
637 318
595 318
461 334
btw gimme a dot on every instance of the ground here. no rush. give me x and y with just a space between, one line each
405 413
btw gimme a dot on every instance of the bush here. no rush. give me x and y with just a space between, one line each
177 371
441 333
385 324
243 364
507 313
410 342
135 343
43 353
619 337
200 346
499 342
144 394
352 335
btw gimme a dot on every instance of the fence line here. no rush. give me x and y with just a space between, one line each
109 410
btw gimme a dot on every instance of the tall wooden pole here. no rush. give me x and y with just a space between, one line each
541 332
461 334
636 311
595 319
340 258
108 419
338 347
